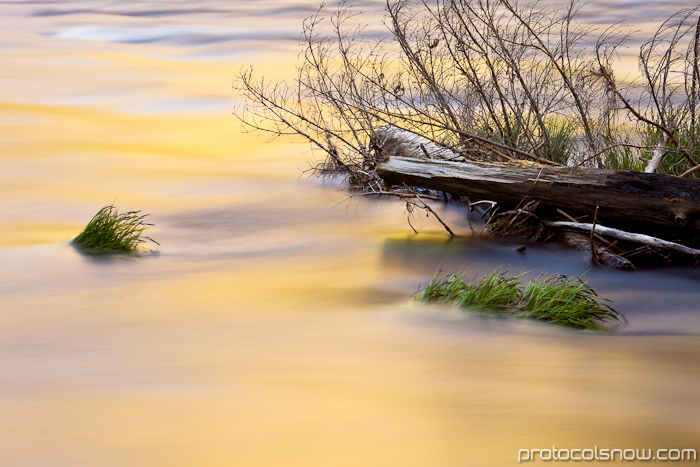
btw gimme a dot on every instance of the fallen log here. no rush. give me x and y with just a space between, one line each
662 205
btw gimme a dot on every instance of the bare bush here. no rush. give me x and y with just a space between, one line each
663 102
493 80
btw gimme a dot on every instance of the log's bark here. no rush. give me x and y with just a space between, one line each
646 202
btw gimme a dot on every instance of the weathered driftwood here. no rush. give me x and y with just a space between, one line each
654 203
393 141
523 222
627 236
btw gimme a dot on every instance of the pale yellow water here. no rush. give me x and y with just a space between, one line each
275 325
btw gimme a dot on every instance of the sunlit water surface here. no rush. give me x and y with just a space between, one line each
275 325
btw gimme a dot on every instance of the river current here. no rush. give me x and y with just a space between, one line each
275 326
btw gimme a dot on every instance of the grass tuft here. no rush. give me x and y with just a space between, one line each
560 299
111 230
448 288
495 291
565 300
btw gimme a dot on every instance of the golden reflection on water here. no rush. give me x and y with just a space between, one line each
274 326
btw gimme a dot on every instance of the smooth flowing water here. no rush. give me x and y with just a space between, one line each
275 327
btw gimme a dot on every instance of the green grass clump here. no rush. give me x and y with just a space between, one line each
565 300
562 139
624 158
555 139
111 230
495 291
560 299
449 288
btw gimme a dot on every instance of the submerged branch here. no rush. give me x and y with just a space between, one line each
628 236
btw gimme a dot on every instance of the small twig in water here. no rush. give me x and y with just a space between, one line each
425 206
610 245
594 257
410 205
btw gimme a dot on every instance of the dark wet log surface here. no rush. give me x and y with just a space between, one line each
602 254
